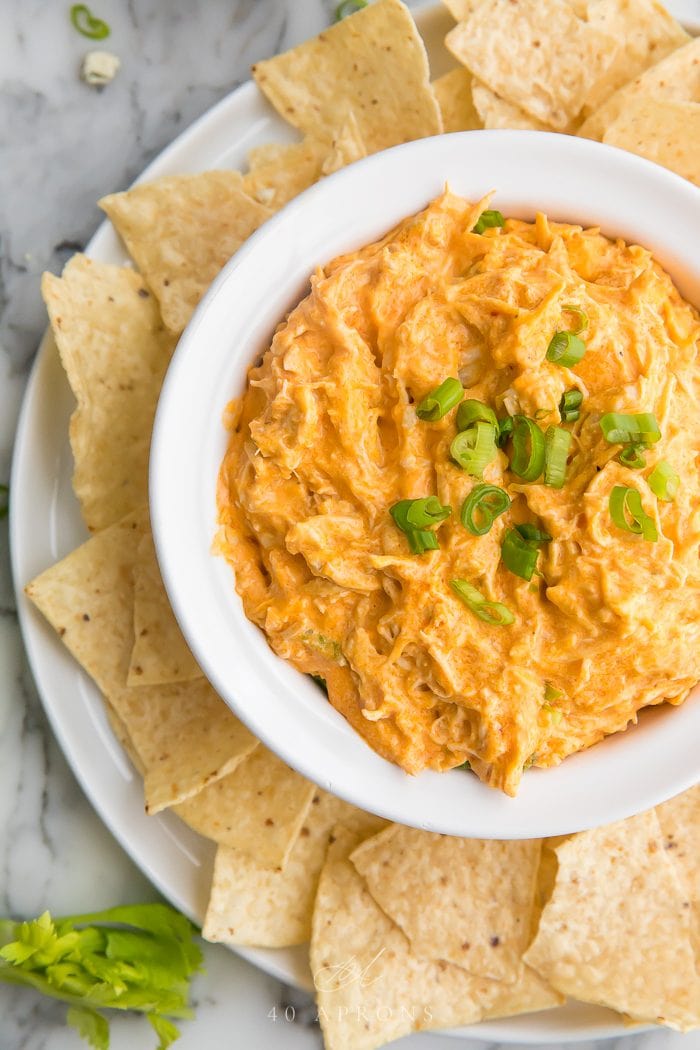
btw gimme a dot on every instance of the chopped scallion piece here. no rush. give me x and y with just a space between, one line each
482 506
633 456
488 220
581 317
471 411
474 449
627 512
621 428
664 482
494 613
551 694
87 25
532 533
570 406
557 442
413 516
505 429
565 349
528 449
519 554
441 400
348 7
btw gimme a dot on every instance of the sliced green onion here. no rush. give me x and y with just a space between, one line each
533 534
488 220
551 694
413 515
439 401
621 428
482 506
664 482
581 317
4 501
570 406
422 540
85 22
565 349
474 449
633 456
627 512
528 449
494 613
505 429
348 7
519 554
471 411
557 442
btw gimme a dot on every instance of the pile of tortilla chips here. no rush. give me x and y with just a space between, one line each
408 930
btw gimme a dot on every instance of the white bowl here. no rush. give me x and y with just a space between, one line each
573 180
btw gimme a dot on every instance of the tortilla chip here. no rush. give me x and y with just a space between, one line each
644 33
160 654
372 64
347 146
454 94
115 351
675 79
663 131
536 54
258 809
181 230
461 9
277 173
617 930
253 904
680 824
495 113
184 734
476 896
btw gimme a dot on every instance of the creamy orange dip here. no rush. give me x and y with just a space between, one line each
326 440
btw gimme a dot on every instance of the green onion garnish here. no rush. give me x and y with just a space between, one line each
348 7
664 482
4 501
532 533
565 349
519 553
439 401
85 22
551 694
570 406
627 512
414 515
505 429
482 506
633 456
474 449
581 317
471 411
528 449
488 220
621 428
494 613
557 442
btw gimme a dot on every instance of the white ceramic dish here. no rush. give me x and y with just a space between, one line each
573 180
45 525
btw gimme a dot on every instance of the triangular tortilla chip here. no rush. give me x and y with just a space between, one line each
661 130
475 896
676 78
258 809
495 113
680 824
115 351
279 173
160 654
617 928
644 33
253 904
454 94
180 230
373 64
536 54
184 734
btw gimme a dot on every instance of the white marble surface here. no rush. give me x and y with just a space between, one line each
62 145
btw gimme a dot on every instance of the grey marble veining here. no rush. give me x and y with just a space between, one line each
63 145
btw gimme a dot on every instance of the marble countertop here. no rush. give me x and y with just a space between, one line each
64 145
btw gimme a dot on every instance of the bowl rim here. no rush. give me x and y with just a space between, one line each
234 654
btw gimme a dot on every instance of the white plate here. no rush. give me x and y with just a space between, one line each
45 525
